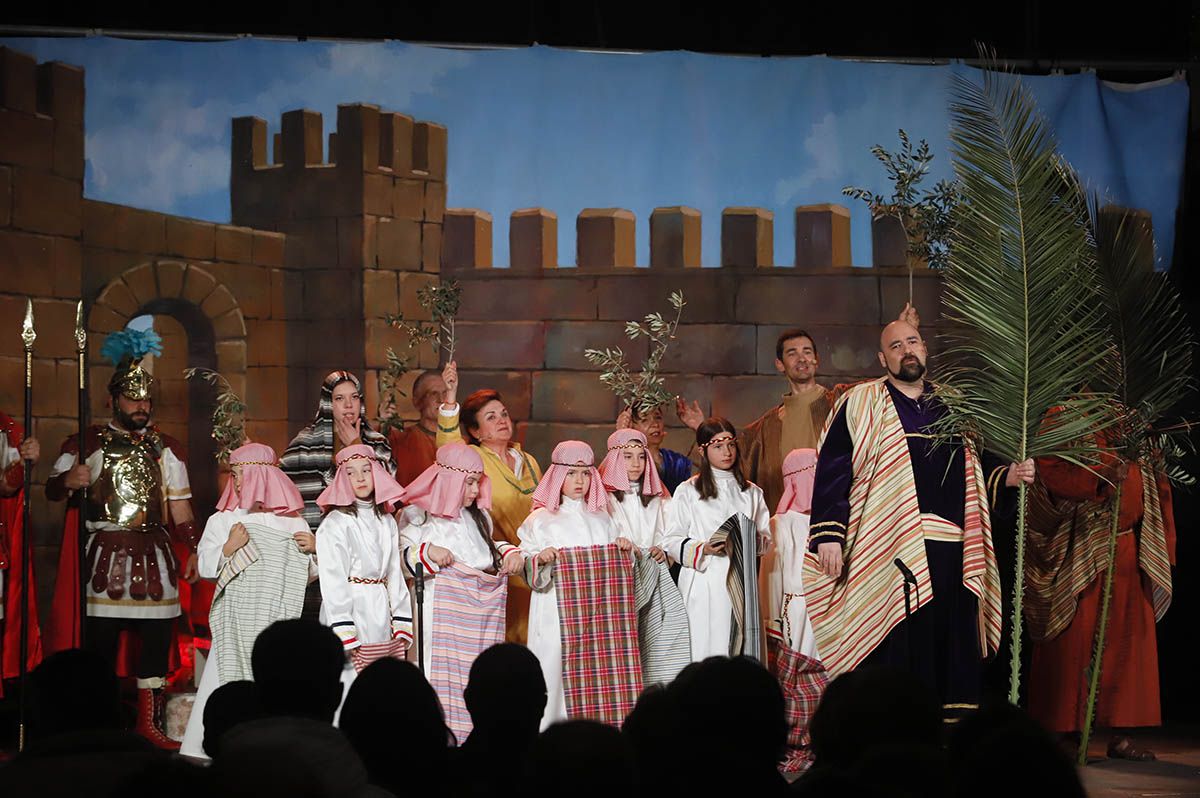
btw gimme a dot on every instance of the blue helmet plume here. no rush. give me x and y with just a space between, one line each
134 344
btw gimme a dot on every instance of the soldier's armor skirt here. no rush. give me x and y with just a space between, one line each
132 574
132 571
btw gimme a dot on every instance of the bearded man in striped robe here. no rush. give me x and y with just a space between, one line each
904 572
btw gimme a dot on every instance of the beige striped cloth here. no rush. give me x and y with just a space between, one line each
854 613
1068 550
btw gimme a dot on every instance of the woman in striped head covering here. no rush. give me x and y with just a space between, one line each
341 421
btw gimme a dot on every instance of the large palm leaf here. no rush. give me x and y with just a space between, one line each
1149 379
1152 376
1019 293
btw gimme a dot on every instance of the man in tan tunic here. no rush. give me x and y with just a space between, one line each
795 423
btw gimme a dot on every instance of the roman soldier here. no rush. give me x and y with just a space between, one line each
134 485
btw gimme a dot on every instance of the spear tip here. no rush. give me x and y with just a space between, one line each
80 333
27 333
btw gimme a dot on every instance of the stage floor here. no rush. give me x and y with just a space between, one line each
1175 773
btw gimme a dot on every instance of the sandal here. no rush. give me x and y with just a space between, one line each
1123 748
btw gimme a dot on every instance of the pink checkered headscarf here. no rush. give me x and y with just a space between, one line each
438 490
340 494
799 471
569 454
612 470
262 481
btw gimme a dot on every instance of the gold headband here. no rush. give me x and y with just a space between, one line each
630 445
272 465
577 464
459 470
359 457
800 470
722 438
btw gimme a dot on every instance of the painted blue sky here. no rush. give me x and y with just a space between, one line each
569 130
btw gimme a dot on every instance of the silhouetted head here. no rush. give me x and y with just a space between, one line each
506 693
874 706
288 756
392 708
585 757
733 706
297 667
71 691
1001 751
229 705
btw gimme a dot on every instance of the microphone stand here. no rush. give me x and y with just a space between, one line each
419 590
910 581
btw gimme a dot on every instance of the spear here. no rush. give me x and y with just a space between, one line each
81 349
27 338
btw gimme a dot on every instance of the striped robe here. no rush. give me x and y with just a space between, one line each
853 614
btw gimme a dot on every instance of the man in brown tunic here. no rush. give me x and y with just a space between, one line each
795 423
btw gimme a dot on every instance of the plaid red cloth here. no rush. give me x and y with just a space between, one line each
601 666
803 680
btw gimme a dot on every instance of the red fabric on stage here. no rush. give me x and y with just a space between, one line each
1129 695
414 450
12 531
803 680
62 629
601 662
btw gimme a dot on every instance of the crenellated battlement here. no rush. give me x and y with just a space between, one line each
379 164
51 89
606 238
366 138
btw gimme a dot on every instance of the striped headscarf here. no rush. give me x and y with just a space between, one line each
308 459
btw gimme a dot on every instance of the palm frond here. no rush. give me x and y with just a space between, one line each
1152 376
1026 331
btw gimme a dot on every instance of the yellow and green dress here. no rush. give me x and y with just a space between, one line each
512 494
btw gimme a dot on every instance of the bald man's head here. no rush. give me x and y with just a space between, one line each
902 352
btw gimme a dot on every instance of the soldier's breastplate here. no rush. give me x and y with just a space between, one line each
128 491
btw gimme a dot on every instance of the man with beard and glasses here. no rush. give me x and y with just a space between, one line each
892 506
134 484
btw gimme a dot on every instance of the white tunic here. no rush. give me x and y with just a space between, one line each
209 562
362 546
418 530
692 521
644 526
570 526
783 582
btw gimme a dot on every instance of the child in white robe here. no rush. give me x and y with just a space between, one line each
363 596
795 660
698 509
257 494
447 521
782 568
637 498
569 511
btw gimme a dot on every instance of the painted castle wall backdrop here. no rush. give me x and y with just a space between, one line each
320 248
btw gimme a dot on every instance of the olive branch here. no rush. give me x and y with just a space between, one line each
442 301
229 415
648 389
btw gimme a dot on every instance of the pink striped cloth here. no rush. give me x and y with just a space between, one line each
468 617
597 610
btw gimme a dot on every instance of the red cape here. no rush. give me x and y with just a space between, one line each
12 516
